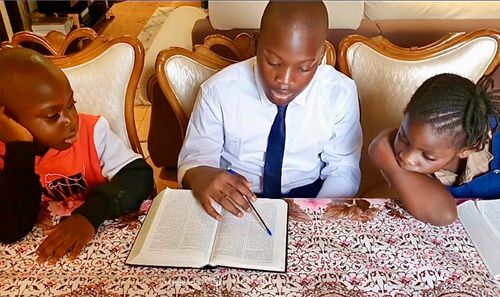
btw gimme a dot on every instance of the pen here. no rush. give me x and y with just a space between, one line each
232 172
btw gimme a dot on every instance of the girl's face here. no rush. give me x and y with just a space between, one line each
419 148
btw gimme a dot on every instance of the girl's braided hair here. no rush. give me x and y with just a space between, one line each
455 105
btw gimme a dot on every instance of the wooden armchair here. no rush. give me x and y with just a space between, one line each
103 73
179 74
387 76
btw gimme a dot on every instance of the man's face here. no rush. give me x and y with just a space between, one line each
49 113
287 60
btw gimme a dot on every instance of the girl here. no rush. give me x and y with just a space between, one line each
447 146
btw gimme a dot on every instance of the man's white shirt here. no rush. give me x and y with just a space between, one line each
232 117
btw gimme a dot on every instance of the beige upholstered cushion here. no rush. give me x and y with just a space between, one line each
100 85
385 85
400 10
247 14
185 77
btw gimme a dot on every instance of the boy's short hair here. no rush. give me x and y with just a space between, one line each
18 64
312 15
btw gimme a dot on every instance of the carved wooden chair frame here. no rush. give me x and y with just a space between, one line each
243 47
382 45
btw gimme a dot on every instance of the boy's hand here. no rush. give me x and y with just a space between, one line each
71 234
216 184
11 130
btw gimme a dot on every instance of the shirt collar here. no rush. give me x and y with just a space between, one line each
477 164
299 100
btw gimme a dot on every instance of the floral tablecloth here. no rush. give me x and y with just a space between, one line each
340 247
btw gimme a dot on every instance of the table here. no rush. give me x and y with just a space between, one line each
338 247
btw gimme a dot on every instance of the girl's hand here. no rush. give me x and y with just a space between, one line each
380 150
11 130
386 179
72 234
382 154
421 195
215 184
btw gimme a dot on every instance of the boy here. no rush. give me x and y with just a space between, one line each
288 125
57 162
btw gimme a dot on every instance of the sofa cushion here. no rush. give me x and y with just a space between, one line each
226 15
175 31
422 32
203 27
402 10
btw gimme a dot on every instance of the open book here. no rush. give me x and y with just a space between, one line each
481 219
177 232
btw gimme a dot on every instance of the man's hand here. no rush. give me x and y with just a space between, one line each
11 130
71 234
215 184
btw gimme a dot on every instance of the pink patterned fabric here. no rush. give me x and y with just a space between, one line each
354 247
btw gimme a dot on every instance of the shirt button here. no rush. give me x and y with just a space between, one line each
496 171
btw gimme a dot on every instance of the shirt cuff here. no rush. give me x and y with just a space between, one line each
95 217
181 171
338 187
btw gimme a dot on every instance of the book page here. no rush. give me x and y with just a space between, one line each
244 242
179 232
490 209
482 235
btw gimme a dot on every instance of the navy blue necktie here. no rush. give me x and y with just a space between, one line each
274 156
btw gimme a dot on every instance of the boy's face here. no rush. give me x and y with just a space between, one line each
419 148
49 111
287 60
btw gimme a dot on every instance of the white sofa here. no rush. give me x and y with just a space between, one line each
405 23
175 31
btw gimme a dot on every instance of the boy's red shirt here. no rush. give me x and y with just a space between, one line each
67 175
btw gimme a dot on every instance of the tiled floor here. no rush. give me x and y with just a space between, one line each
129 19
